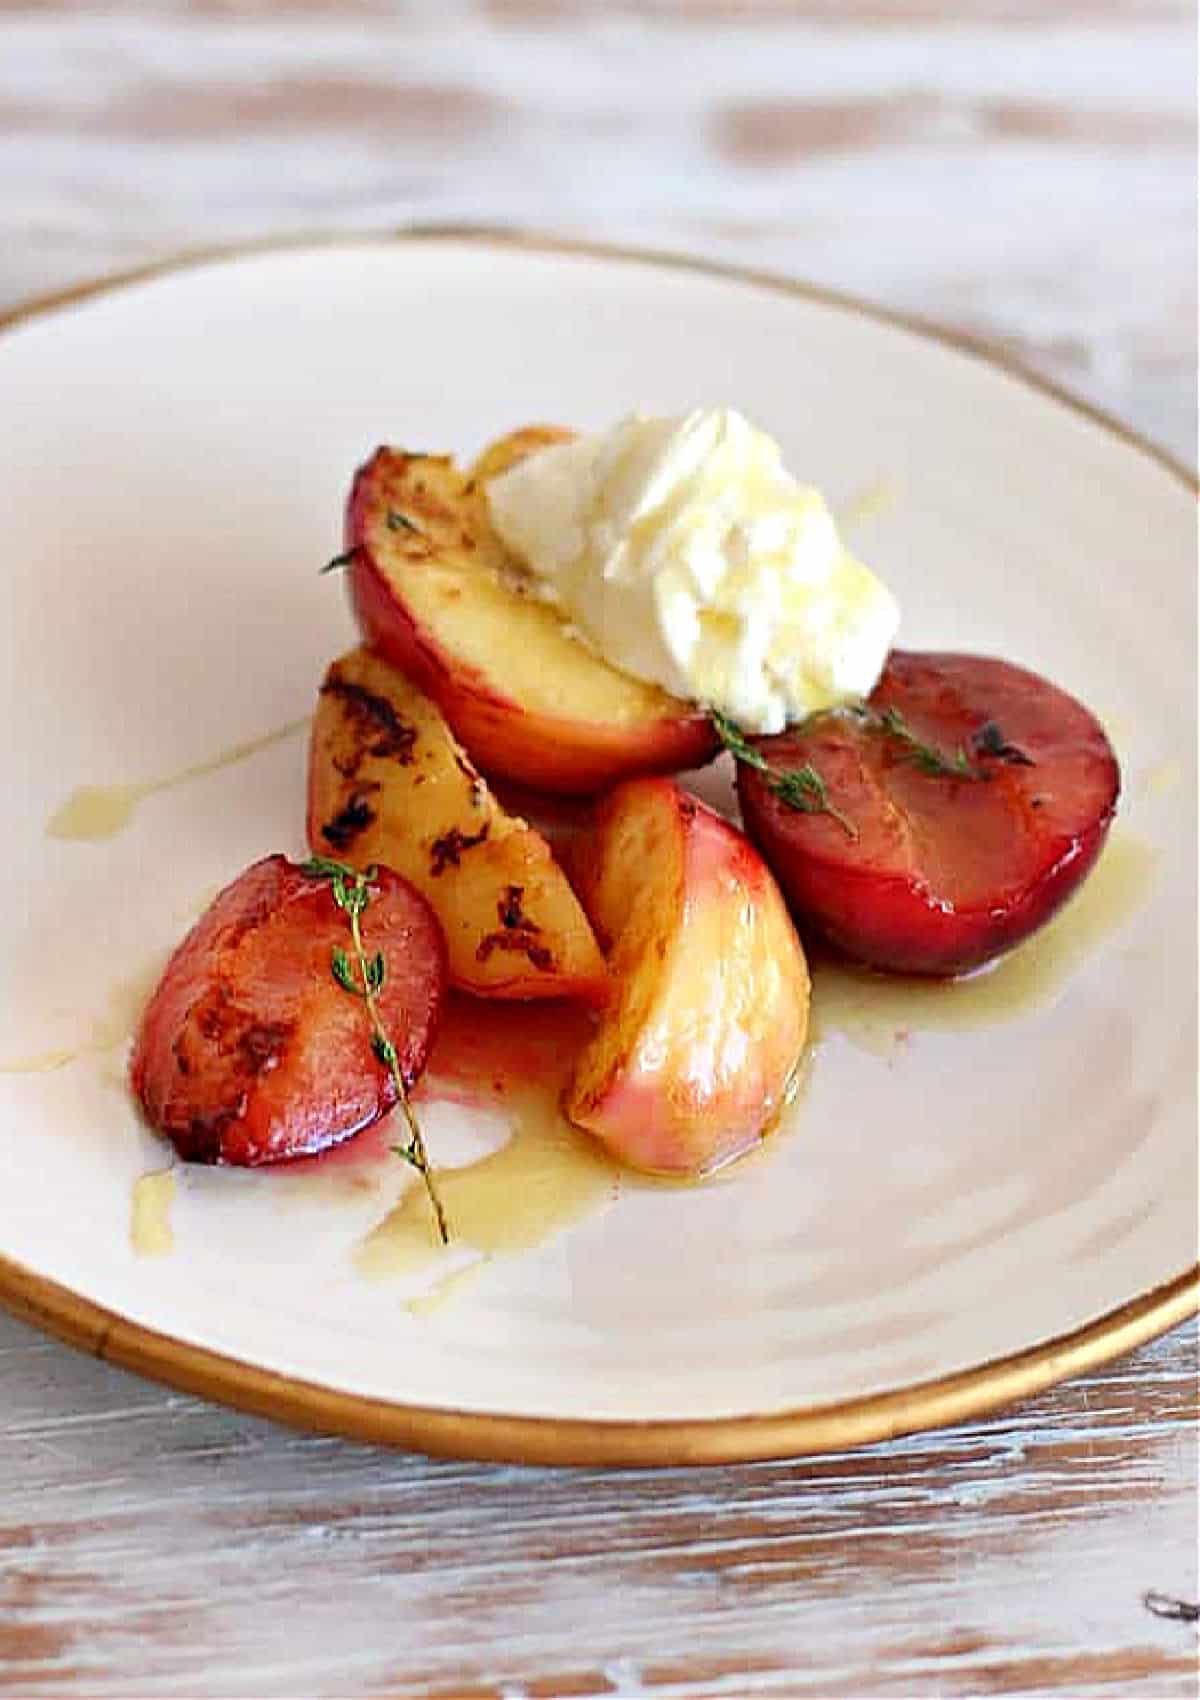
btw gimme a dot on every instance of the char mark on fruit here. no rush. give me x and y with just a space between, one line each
349 822
447 851
510 912
201 1139
262 1044
471 774
224 1049
375 719
522 942
220 1032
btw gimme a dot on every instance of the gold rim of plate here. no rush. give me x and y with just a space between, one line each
550 1440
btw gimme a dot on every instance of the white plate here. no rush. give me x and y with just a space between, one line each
949 1220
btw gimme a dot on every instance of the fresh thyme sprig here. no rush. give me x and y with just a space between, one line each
803 788
800 788
363 977
988 742
925 757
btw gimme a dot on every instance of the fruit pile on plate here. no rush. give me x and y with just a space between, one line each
923 831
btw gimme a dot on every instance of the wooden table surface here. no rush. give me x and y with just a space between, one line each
1019 169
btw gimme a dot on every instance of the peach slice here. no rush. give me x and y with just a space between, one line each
434 591
250 1052
694 1058
388 783
938 872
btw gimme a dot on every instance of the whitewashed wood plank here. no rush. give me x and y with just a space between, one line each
1006 1556
1033 182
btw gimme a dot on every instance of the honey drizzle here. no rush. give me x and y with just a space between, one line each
879 1012
872 501
95 812
449 1287
150 1231
544 1178
1160 779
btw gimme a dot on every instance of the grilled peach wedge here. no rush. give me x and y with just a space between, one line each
389 784
435 591
693 1059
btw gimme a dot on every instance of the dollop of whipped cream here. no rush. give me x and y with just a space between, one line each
684 553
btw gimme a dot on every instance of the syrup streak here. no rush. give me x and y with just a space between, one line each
150 1231
94 812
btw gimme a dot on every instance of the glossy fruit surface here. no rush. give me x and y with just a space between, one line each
696 1053
939 872
250 1052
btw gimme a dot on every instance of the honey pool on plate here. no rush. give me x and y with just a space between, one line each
514 1060
151 1233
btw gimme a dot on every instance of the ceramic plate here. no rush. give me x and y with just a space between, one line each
979 1190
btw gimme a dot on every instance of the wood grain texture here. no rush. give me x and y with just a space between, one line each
151 1544
1022 170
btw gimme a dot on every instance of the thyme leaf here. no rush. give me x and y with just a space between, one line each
800 788
804 789
324 867
988 741
925 757
339 561
396 521
363 977
343 973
